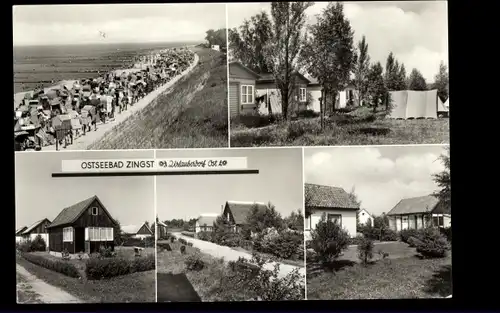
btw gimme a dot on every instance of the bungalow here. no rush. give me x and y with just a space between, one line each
38 228
19 231
205 222
160 229
332 201
143 232
236 212
241 89
82 227
419 212
364 216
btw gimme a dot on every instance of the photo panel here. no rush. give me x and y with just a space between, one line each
287 89
232 221
378 222
145 76
83 230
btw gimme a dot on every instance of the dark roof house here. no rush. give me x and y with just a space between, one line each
237 211
327 197
19 231
38 227
84 226
419 205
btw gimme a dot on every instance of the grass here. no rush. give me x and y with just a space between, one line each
25 294
136 287
403 276
208 282
193 114
360 127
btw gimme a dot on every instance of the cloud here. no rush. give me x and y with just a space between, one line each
379 181
416 32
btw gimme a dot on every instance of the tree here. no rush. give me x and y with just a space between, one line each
329 240
441 82
362 68
416 81
376 86
118 234
216 37
443 180
284 48
259 219
401 78
329 54
295 221
249 44
354 197
391 68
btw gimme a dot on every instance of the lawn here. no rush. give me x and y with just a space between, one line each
403 275
359 127
191 114
25 294
136 287
208 283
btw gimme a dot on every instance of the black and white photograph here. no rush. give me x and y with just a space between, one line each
232 236
83 239
338 74
378 222
120 76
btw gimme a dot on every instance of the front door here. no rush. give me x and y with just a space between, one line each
79 239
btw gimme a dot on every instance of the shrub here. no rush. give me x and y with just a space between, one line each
136 242
329 240
365 250
38 244
183 241
62 267
284 245
413 242
432 244
111 267
172 239
194 262
190 244
389 235
405 234
446 232
143 264
183 249
205 236
188 234
307 114
24 246
106 252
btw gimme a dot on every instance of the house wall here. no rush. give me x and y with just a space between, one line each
199 228
19 239
363 217
100 220
56 243
41 228
315 92
410 221
348 220
142 236
235 105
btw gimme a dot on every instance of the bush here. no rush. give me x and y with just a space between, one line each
405 234
38 244
183 241
365 250
307 114
111 267
432 244
285 245
194 263
389 235
24 246
205 236
446 232
172 239
188 234
106 252
413 242
329 240
136 242
62 267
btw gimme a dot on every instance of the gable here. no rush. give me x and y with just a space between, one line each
103 218
238 71
144 230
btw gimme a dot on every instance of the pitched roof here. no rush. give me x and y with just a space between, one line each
268 77
207 219
424 204
238 63
329 197
70 214
144 229
240 209
33 226
19 231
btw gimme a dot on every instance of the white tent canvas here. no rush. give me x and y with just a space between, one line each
447 103
413 104
274 100
441 107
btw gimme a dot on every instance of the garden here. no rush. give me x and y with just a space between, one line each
265 233
122 275
187 274
417 264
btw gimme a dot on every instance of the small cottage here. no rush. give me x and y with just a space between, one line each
160 229
241 89
332 201
144 232
364 217
82 227
38 228
418 213
236 212
205 222
19 232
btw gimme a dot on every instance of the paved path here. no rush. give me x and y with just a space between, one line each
48 293
232 255
83 142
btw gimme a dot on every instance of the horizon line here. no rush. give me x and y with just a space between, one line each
104 43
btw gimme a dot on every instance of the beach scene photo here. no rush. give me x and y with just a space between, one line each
121 76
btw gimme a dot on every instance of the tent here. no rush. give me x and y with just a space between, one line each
441 107
414 104
447 103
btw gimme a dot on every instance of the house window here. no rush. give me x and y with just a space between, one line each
94 210
68 234
302 95
336 218
438 221
100 234
247 94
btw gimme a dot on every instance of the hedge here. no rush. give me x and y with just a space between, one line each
136 242
111 267
60 266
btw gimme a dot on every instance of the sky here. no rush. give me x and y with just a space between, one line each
122 23
415 31
38 195
381 176
279 181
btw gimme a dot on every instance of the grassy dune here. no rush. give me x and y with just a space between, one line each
191 114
